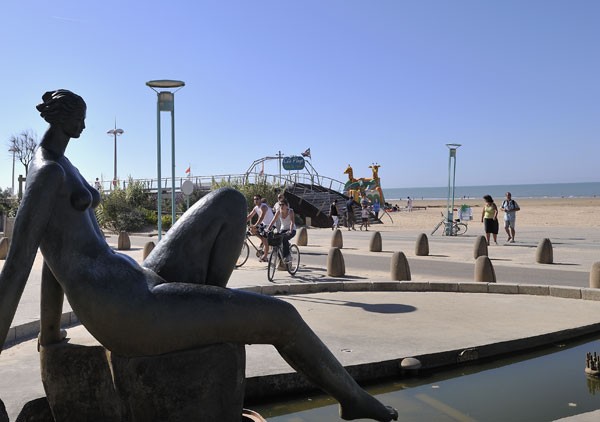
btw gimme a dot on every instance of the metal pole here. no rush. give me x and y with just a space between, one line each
279 155
448 209
159 191
173 162
453 182
12 192
115 169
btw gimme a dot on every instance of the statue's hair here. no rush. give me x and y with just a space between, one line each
56 105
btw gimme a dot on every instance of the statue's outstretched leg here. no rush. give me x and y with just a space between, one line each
323 369
204 244
209 314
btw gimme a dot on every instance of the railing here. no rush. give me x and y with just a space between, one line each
207 182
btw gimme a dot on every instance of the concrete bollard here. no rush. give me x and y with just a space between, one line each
595 276
399 269
410 364
543 253
337 240
123 242
484 270
335 263
3 247
480 248
302 237
422 245
375 243
148 247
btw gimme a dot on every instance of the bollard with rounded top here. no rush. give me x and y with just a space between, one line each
480 248
147 249
422 245
399 269
337 241
410 364
302 237
3 247
335 263
123 242
595 276
543 253
484 270
375 243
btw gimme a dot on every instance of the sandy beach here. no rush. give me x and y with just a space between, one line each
543 212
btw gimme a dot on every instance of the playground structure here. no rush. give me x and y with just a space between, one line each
370 186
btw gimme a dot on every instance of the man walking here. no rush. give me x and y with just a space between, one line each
510 208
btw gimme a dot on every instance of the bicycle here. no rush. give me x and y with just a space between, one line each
245 252
456 229
291 265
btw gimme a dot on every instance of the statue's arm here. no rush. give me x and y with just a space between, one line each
51 303
30 225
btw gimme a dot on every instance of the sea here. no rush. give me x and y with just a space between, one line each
543 190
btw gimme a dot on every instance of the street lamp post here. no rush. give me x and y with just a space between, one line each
13 150
165 102
451 185
115 132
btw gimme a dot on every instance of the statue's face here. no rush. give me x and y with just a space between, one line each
74 125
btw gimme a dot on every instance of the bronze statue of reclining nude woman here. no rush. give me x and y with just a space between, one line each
177 299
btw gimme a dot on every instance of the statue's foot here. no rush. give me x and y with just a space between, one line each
367 407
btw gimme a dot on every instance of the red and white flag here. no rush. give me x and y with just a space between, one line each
188 170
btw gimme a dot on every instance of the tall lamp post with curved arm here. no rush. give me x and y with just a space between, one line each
166 102
115 132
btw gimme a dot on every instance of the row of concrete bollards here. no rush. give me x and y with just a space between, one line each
399 267
400 270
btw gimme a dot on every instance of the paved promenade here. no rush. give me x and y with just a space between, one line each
365 319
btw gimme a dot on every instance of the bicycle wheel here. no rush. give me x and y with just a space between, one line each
436 227
461 228
293 265
244 253
272 266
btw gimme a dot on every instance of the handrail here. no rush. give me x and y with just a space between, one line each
248 178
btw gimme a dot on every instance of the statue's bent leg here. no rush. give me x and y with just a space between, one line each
204 244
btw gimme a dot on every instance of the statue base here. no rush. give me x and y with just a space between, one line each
91 383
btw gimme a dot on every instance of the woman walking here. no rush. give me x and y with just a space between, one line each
489 217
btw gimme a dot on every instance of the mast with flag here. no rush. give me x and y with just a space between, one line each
306 154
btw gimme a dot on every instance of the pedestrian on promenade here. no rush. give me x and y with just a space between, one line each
510 208
333 213
489 218
350 204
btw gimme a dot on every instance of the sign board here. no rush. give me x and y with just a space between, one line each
293 163
187 187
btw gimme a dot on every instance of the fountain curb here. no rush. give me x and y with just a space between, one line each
20 333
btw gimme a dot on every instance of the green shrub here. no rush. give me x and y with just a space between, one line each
167 221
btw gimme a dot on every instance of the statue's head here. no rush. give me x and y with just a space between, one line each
61 105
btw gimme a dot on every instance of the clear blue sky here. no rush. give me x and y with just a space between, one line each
516 82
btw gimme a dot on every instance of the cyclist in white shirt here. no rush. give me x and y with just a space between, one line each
265 216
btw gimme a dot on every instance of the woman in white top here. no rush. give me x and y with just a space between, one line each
284 218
